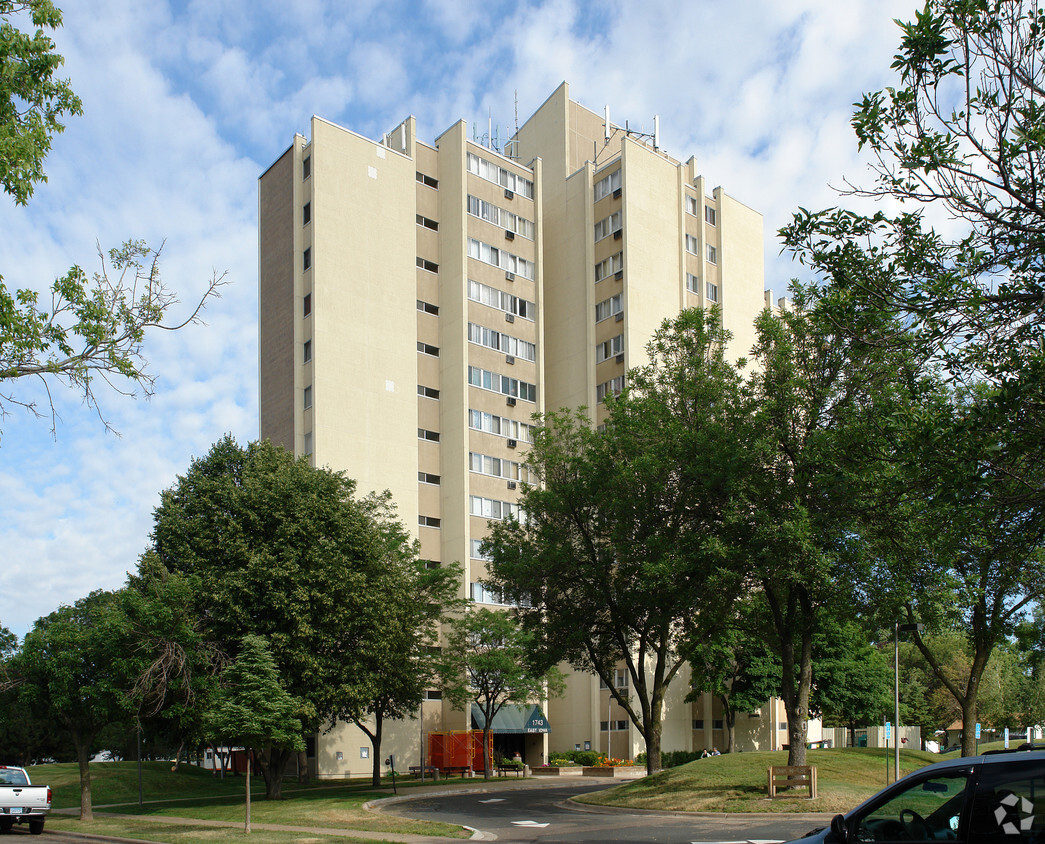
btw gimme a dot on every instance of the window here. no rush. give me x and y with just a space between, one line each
782 725
425 264
607 185
616 726
500 258
716 724
307 351
692 244
606 227
712 292
698 723
503 384
427 349
608 307
306 167
428 478
306 258
1009 802
712 254
308 397
710 216
476 552
427 181
501 342
609 266
612 387
501 300
481 595
428 308
306 214
501 426
428 224
692 206
620 678
429 521
307 308
491 508
499 175
433 564
693 283
425 434
308 443
427 392
485 464
433 694
928 810
611 348
500 217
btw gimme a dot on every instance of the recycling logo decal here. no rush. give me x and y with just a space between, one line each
1015 814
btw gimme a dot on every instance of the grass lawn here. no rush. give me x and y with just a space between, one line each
191 792
737 782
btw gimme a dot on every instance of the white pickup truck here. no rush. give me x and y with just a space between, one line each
21 801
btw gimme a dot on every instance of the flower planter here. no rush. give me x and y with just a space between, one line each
555 771
615 771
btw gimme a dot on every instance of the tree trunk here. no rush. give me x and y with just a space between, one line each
304 775
83 759
273 764
652 735
375 740
246 821
969 715
486 749
729 717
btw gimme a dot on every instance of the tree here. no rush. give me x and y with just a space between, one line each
852 678
735 664
277 548
626 537
252 707
32 101
818 399
488 660
92 328
389 677
73 671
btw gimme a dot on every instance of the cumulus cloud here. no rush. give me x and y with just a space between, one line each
187 103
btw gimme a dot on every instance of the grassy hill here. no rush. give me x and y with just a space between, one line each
737 782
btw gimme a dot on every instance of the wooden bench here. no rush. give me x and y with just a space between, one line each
429 770
504 770
787 777
450 770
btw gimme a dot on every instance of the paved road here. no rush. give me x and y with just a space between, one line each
540 815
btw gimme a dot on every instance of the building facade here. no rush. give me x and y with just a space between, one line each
420 302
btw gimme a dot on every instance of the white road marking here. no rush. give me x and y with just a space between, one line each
745 841
493 800
532 824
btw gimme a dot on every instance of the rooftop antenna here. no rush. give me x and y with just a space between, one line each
656 131
607 124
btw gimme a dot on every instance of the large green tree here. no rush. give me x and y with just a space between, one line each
275 547
74 669
390 676
624 537
488 659
252 709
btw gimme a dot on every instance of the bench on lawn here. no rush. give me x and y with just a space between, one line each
504 770
429 770
786 777
450 770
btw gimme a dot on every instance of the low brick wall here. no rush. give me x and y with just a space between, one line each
555 771
620 771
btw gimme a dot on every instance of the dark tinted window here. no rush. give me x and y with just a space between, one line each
925 811
1009 804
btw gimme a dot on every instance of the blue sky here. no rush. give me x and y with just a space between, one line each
185 104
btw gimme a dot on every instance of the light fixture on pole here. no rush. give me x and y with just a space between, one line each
898 629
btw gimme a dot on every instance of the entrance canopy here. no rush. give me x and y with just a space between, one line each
513 719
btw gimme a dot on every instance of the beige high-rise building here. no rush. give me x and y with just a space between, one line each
419 302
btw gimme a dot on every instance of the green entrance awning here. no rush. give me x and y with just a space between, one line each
513 719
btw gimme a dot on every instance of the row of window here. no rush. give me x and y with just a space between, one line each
501 342
497 467
611 348
481 595
428 349
503 384
491 508
427 223
493 172
693 247
620 679
608 307
501 300
425 264
615 726
608 184
500 217
428 478
693 286
429 521
693 207
609 266
502 426
427 181
612 387
610 225
716 724
500 258
425 434
427 307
